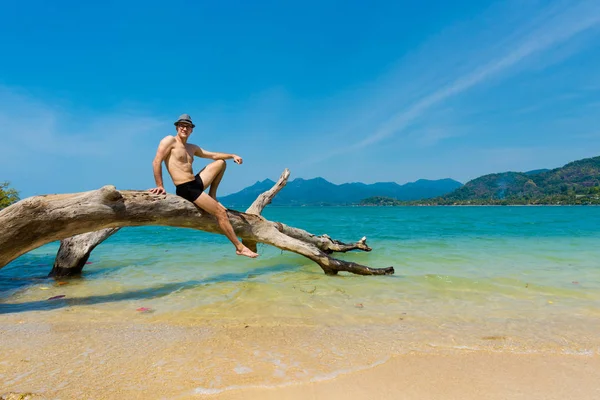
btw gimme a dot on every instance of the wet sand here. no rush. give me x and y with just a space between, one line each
458 376
79 358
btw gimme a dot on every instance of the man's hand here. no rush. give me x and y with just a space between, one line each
237 159
158 190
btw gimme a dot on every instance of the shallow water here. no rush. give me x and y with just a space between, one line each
509 279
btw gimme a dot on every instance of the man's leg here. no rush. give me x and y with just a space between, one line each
215 208
211 176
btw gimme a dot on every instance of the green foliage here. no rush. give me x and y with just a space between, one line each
577 183
380 201
7 195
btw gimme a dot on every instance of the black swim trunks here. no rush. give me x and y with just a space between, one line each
190 190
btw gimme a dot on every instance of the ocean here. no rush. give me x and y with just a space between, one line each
501 279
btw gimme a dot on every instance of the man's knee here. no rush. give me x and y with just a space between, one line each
221 164
221 213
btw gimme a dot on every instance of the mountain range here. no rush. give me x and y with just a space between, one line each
577 182
318 191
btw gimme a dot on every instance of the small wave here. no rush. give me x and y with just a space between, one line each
318 378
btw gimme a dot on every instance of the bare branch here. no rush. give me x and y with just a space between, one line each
265 198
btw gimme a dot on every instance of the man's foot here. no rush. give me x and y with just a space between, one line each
244 251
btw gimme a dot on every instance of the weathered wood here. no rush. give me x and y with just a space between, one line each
262 201
265 198
323 242
74 252
38 220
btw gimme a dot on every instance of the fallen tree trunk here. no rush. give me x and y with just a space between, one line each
74 251
38 220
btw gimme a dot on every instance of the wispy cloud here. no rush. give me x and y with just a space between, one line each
67 149
553 26
38 127
432 136
556 29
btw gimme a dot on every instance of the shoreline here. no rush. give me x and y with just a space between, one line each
483 298
415 376
83 358
469 376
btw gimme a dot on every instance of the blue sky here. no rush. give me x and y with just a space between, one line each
352 91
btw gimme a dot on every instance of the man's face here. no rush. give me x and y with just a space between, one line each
184 130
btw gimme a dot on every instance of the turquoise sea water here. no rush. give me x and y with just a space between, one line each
503 279
513 278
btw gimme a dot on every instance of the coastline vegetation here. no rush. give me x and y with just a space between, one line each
577 183
577 199
8 195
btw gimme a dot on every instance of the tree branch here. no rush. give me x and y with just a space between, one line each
38 220
323 242
265 198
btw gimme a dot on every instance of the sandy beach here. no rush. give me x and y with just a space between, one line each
97 360
300 200
477 310
459 376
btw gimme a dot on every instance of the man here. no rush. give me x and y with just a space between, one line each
178 156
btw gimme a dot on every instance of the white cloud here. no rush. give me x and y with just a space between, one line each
31 127
432 136
512 46
555 30
46 148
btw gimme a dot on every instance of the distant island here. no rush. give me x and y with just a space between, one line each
576 183
320 192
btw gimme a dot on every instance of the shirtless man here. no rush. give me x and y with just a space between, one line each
178 156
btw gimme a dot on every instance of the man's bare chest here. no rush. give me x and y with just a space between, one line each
182 154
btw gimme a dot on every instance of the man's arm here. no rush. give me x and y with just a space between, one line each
198 152
161 153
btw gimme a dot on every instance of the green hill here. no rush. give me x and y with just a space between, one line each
575 183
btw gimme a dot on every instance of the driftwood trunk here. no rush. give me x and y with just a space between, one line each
74 252
38 220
